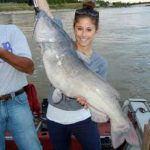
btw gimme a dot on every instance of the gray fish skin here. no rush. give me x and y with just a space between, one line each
68 73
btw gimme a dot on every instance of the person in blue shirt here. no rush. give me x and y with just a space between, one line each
77 118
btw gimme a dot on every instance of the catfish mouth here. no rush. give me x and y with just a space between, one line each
42 33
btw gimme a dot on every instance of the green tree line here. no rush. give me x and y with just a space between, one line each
49 1
99 3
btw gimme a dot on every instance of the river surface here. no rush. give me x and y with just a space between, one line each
123 39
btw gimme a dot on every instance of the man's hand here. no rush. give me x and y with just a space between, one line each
82 100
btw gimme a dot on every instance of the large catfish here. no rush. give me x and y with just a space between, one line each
68 73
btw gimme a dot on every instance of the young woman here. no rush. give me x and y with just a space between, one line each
69 116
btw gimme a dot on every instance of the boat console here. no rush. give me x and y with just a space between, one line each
140 110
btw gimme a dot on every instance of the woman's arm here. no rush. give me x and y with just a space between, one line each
43 5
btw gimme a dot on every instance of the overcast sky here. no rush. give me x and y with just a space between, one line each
131 1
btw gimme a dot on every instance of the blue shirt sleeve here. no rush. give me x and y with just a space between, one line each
58 22
98 65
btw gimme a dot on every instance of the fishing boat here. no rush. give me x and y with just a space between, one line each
137 110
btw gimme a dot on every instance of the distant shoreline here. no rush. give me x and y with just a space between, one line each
25 7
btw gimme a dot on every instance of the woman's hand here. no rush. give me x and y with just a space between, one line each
82 100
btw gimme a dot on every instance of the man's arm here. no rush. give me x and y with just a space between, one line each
20 63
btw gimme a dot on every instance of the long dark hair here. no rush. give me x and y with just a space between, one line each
87 10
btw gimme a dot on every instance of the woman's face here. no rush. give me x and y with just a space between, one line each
84 31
